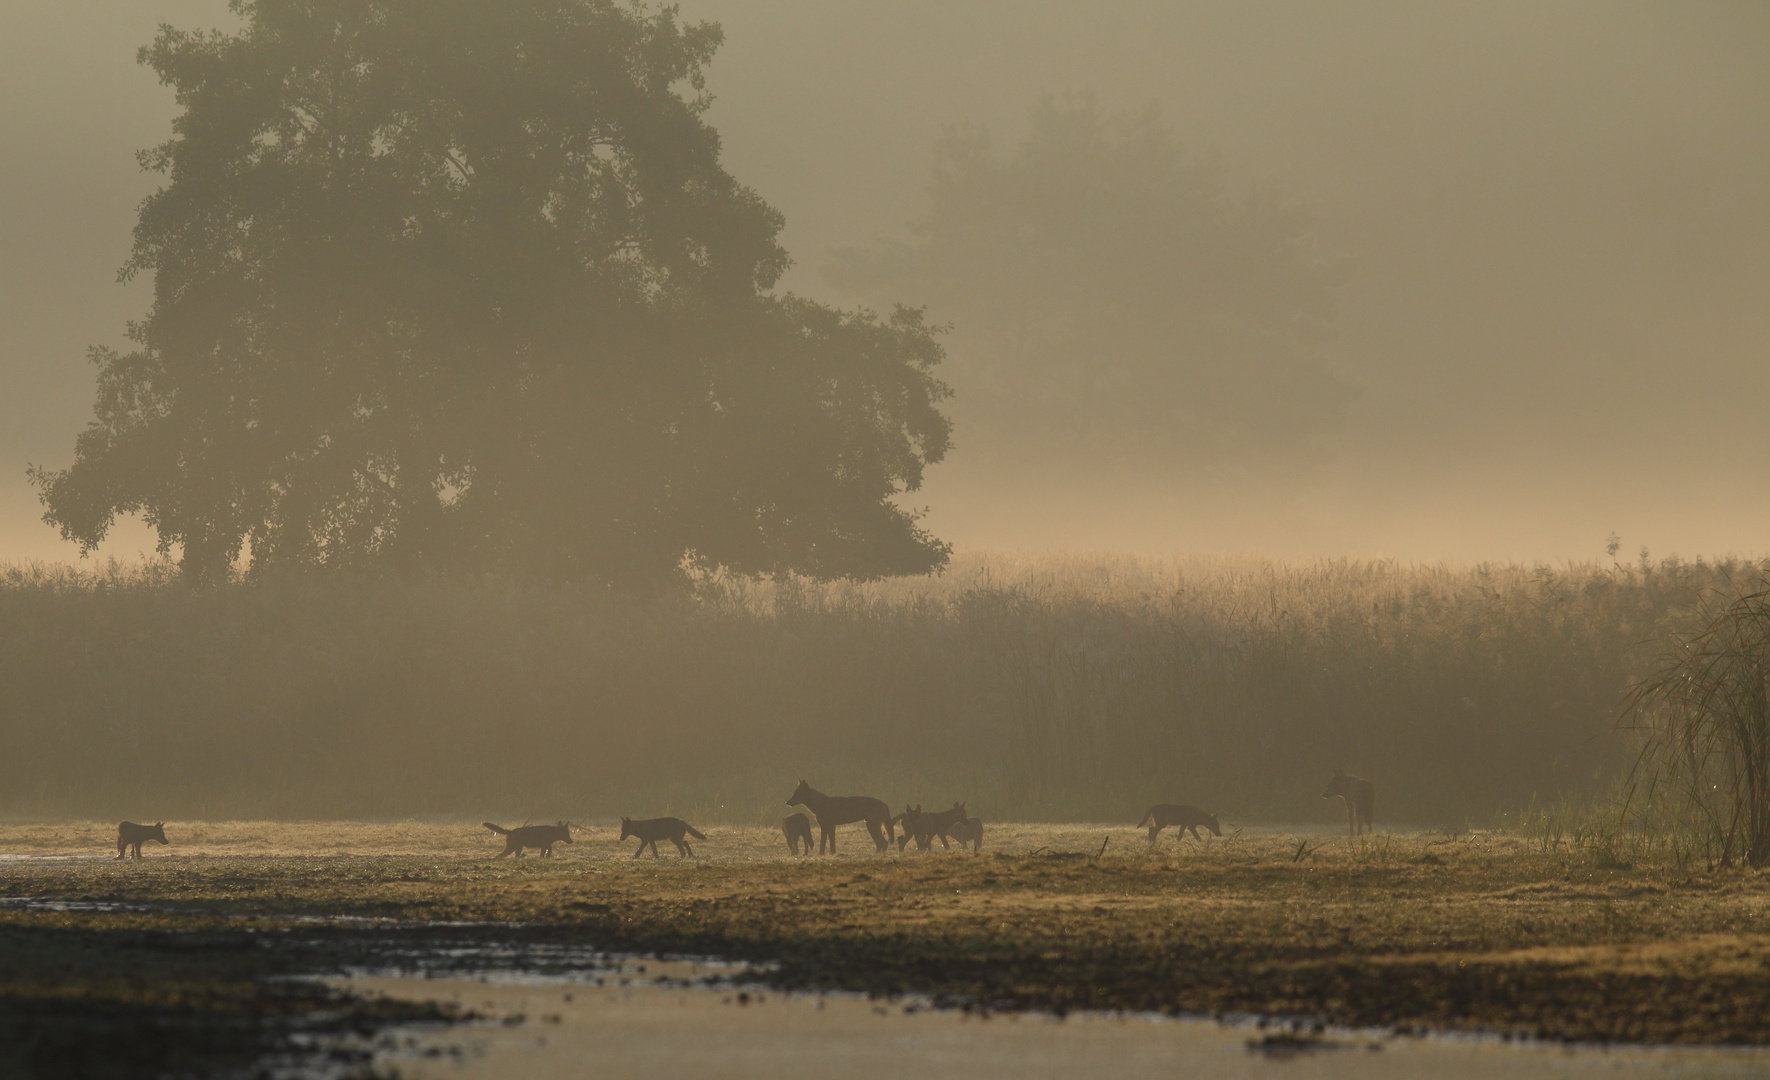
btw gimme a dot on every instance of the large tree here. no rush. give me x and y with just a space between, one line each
463 283
1118 307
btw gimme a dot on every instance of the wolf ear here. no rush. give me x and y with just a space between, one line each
157 824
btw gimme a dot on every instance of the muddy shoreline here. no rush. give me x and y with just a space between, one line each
1403 935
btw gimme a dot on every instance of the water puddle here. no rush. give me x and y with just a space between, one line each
648 1018
58 904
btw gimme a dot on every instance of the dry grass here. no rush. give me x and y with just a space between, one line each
1034 687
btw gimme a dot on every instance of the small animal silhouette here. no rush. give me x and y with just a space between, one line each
1187 817
130 836
532 836
924 827
797 828
834 810
969 831
909 824
651 830
1359 795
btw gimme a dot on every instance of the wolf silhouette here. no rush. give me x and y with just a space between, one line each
1360 797
923 827
1187 817
651 830
535 836
797 828
969 831
834 810
130 836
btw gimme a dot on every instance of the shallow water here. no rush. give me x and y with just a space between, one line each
661 1019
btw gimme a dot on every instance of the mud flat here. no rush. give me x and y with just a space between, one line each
203 955
652 1019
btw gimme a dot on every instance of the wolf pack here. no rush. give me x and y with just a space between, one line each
955 825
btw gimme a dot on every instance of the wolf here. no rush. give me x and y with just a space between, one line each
535 836
834 810
924 827
651 830
910 822
797 827
1187 817
130 835
969 831
1359 795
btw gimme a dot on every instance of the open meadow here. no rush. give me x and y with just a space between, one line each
325 752
1518 933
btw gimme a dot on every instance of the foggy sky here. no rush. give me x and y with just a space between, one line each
1560 217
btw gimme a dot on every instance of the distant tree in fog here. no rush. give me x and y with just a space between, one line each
1114 304
462 283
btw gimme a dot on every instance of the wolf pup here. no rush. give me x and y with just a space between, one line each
924 827
1187 817
1359 795
797 828
969 831
535 836
651 830
130 835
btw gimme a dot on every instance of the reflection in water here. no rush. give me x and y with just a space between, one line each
674 1019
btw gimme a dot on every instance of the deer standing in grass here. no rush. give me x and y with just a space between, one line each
834 810
1359 795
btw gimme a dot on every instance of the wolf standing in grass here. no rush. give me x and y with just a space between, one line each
1359 795
130 835
797 828
651 830
834 810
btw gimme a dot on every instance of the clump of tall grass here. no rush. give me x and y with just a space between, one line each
1037 687
1703 718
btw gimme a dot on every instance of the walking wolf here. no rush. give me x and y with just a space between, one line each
797 828
1358 794
834 810
651 830
1187 817
130 835
535 836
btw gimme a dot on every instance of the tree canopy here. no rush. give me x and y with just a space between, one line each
463 283
1116 306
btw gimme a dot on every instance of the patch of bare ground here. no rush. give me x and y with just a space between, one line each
1408 931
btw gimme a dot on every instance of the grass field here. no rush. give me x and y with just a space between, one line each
1513 933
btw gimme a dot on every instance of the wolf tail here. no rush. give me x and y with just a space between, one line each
694 832
499 829
1148 819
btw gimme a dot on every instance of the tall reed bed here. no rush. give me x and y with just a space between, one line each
1047 687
